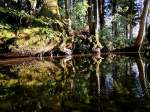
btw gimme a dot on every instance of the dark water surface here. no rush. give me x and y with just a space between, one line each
77 84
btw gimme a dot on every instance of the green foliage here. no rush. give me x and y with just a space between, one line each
13 12
119 42
4 25
114 42
124 15
79 20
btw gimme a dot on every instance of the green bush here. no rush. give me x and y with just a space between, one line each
80 14
114 42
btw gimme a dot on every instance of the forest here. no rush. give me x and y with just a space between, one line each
66 27
74 55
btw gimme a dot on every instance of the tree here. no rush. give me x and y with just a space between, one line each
91 17
148 34
142 76
101 13
51 9
67 10
97 27
140 36
94 22
114 23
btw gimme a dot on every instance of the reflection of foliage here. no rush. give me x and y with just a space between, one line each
42 85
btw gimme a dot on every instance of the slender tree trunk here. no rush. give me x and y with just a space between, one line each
97 19
114 23
128 31
67 7
71 7
101 13
91 17
148 71
142 76
97 28
131 31
126 27
140 36
94 23
148 34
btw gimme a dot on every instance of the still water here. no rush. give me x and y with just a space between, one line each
75 84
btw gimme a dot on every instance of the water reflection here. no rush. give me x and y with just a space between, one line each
83 84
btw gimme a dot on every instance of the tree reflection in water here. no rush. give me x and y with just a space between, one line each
86 84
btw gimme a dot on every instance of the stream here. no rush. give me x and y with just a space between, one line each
75 84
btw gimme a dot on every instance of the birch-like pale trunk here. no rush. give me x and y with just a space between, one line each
97 28
140 36
142 76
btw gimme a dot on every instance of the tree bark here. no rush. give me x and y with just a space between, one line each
97 27
94 23
91 18
101 13
140 36
67 9
53 8
148 34
114 23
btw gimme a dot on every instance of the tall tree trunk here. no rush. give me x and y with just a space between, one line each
53 8
91 17
148 34
67 8
71 7
140 36
114 23
126 27
97 28
128 30
101 13
131 31
94 23
97 19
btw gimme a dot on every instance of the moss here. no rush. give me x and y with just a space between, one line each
36 39
6 34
